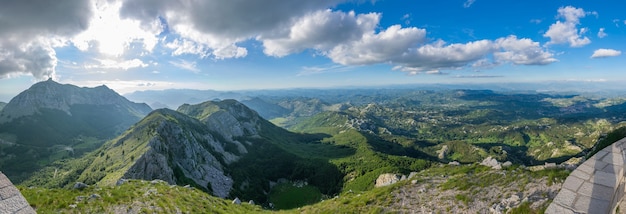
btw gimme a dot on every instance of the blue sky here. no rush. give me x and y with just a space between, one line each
230 45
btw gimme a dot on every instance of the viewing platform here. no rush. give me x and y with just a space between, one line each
596 186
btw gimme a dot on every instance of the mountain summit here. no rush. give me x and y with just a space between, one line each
52 95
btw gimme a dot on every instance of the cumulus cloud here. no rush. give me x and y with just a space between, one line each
314 31
601 33
522 52
36 58
566 31
381 47
27 40
217 26
602 53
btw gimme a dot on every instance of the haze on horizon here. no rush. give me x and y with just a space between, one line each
132 45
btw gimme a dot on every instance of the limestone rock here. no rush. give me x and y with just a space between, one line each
441 154
507 164
454 163
491 162
387 179
236 201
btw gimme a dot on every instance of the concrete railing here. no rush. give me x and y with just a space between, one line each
11 200
596 186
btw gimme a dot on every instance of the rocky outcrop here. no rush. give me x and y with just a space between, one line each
387 179
11 200
491 162
441 154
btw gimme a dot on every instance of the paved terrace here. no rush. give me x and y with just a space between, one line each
596 186
11 200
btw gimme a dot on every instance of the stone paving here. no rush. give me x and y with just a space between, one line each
596 186
11 200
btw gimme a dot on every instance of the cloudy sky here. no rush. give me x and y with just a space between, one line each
132 45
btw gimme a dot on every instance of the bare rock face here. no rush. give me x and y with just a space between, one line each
387 179
173 151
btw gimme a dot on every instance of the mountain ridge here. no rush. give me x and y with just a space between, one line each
52 95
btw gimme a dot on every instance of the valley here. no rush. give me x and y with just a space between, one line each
301 150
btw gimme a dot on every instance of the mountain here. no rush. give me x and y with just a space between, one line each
50 121
176 97
2 104
221 147
266 109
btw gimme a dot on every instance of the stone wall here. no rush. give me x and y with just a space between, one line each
11 200
596 186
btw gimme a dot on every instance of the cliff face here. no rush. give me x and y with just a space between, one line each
193 148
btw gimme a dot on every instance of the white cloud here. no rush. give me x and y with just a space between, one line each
217 26
27 40
602 53
536 21
184 46
34 57
522 52
321 30
468 3
117 64
186 65
438 55
382 47
567 32
311 70
601 33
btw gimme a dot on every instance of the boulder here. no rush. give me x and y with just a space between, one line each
80 185
454 163
236 201
491 162
120 182
550 166
387 179
94 196
507 164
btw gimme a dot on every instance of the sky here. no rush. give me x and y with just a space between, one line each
132 45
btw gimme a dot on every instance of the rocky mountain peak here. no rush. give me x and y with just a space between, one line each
53 95
229 117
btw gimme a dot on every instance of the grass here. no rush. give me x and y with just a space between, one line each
139 196
289 196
